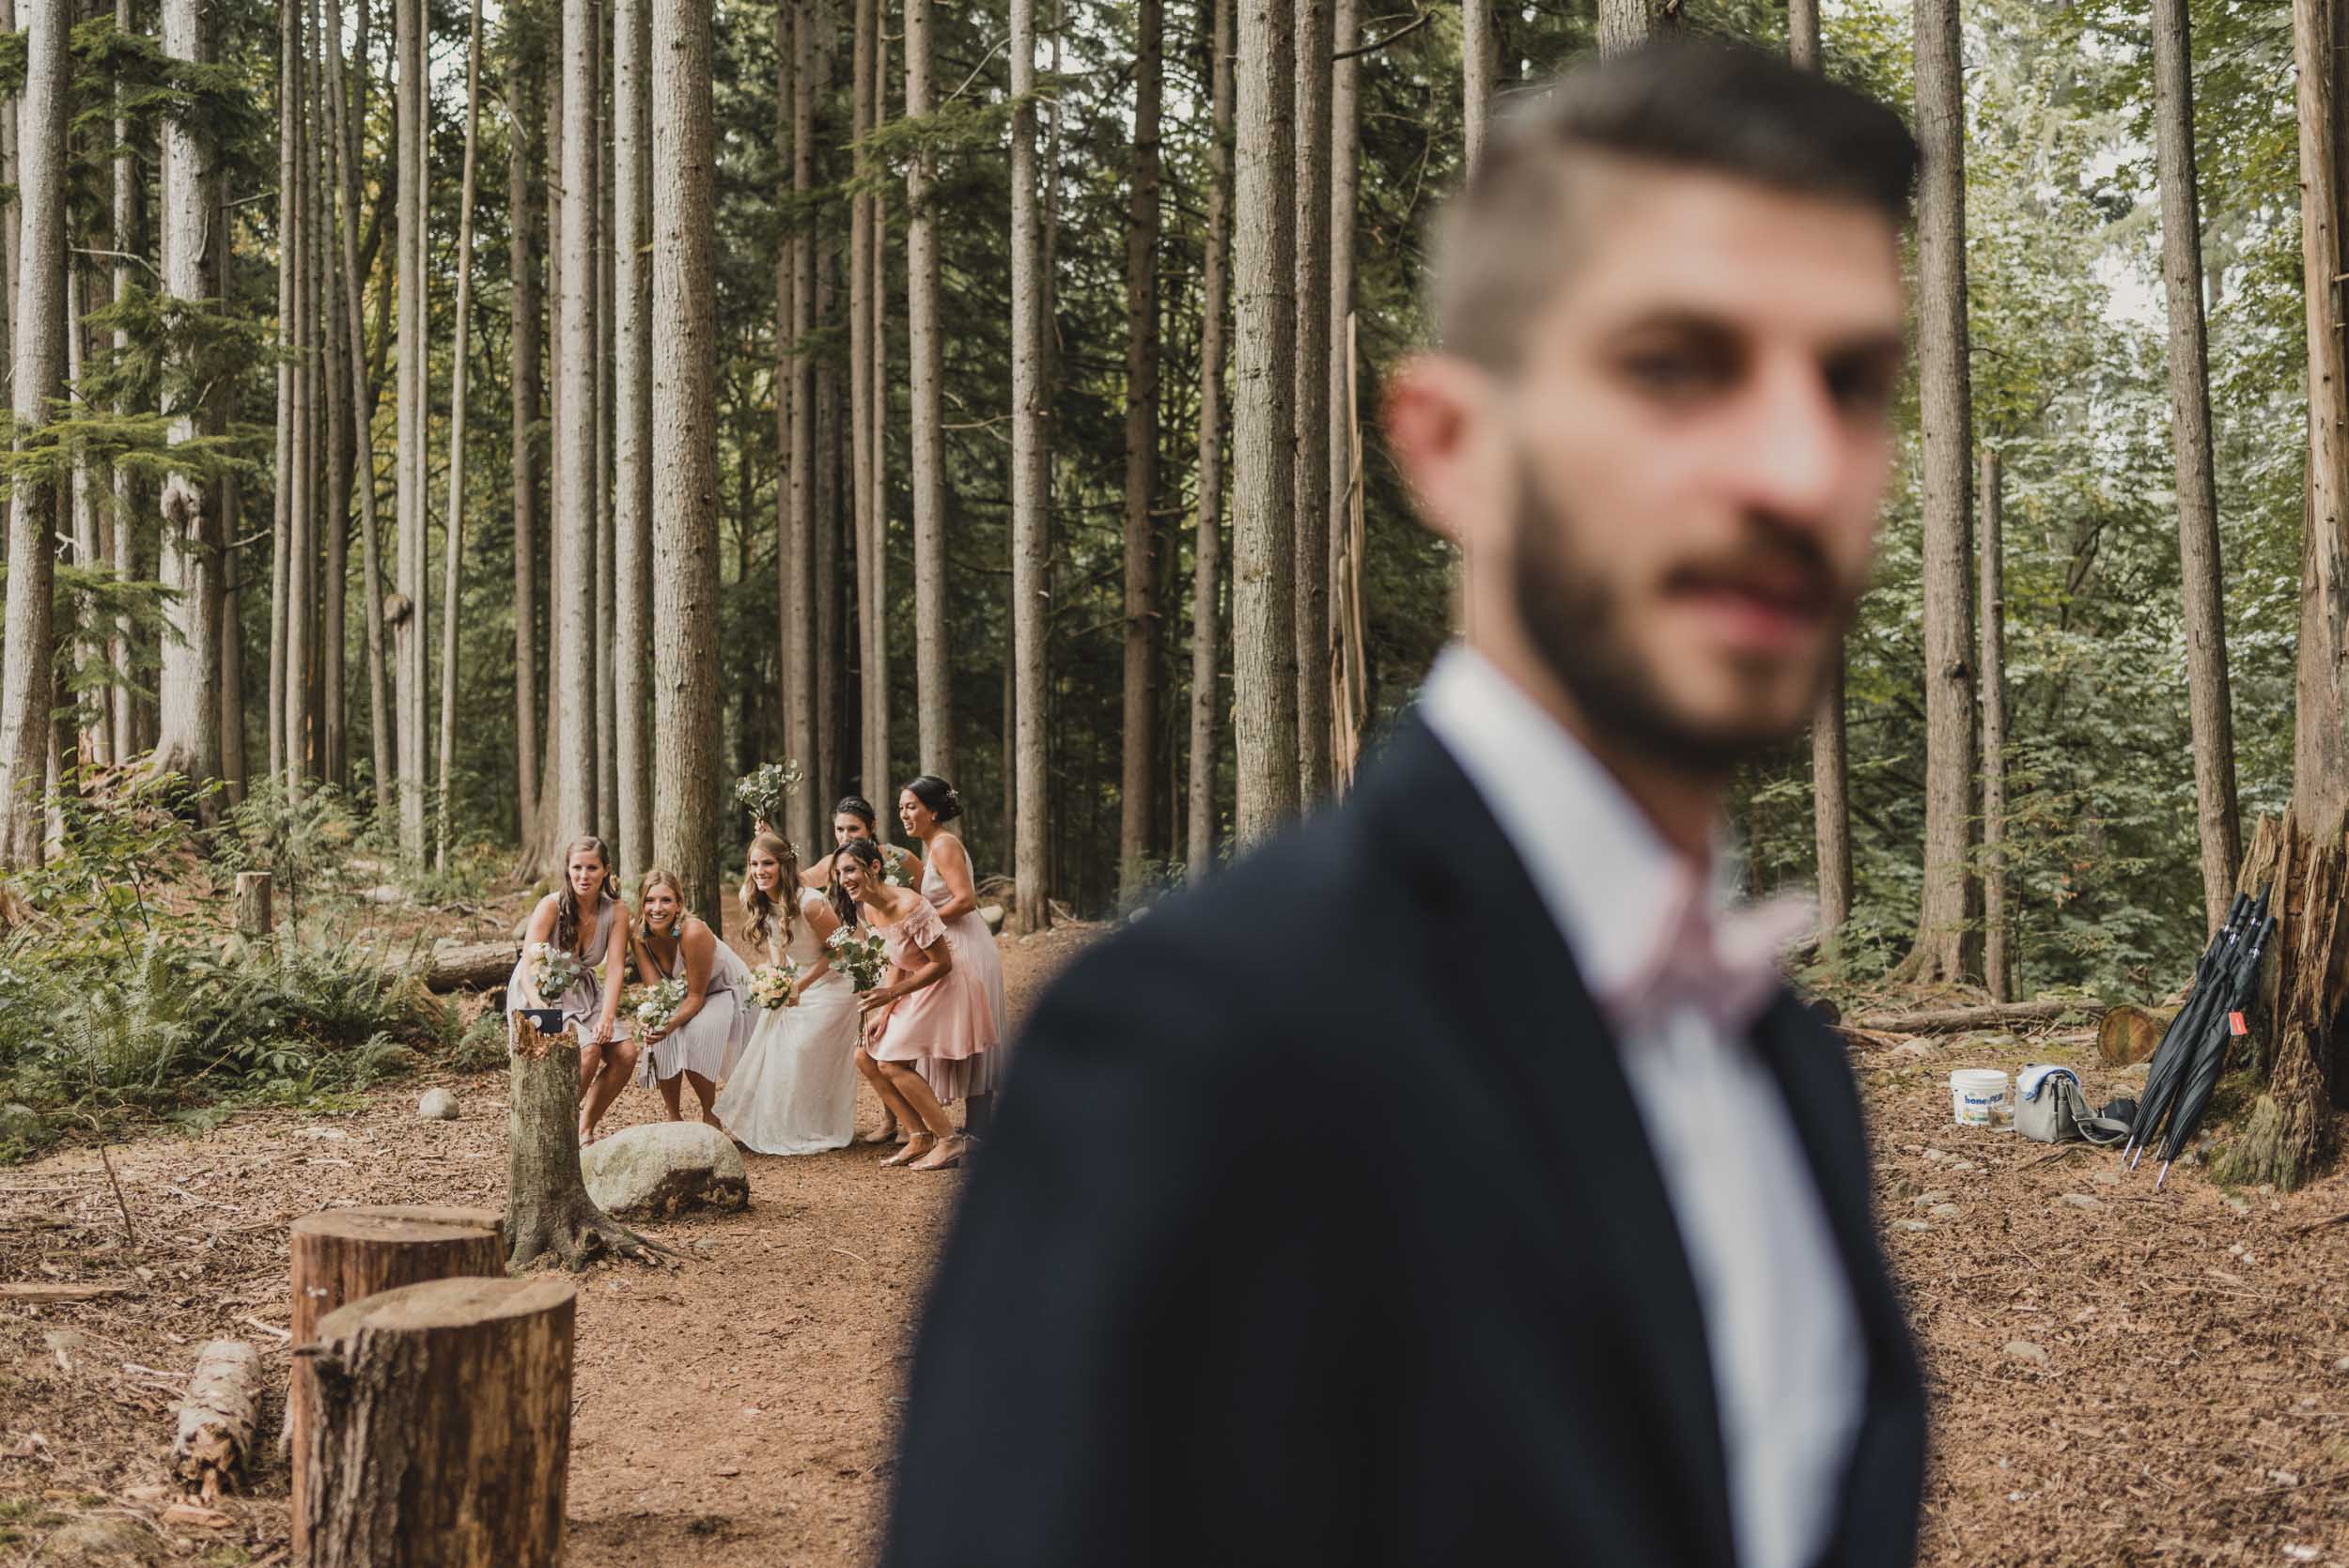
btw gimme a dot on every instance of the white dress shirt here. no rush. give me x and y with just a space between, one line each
1789 1369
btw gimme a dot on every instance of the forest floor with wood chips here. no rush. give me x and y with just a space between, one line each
2119 1377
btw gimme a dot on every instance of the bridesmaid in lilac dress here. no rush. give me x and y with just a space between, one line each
925 808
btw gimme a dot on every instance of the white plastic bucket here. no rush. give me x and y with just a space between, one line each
1979 1098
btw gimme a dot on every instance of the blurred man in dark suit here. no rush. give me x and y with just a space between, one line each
1452 1180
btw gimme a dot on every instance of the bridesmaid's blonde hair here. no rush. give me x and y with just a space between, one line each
761 908
656 878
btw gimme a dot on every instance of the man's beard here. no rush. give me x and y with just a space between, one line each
1573 619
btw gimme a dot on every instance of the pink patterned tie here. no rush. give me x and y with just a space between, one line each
1725 964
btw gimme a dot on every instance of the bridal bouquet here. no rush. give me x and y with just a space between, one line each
862 958
553 970
763 791
652 1007
771 985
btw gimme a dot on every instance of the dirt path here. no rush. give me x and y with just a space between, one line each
2192 1405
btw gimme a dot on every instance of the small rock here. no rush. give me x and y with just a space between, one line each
1944 1211
1902 1187
2023 1350
18 1121
1926 1199
1911 1225
387 894
2341 1365
2082 1200
65 1347
1916 1050
200 1518
1964 1165
438 1104
2110 1178
707 1249
102 1538
646 1173
2238 1203
1936 1154
2285 1478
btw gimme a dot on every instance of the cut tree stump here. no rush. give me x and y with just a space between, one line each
2296 1043
1952 1020
344 1255
471 965
217 1418
442 1431
2129 1033
254 916
550 1214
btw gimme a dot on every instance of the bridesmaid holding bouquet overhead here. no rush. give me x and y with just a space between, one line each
926 809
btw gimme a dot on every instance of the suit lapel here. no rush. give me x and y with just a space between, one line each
1521 1004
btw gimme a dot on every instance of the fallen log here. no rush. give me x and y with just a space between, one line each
216 1418
1951 1020
442 1435
471 965
35 1290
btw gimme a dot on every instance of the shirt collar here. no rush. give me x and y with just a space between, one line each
1610 881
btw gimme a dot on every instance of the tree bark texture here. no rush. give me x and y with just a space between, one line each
607 823
460 358
1627 23
925 387
2289 1134
335 399
1802 33
685 458
409 630
865 457
254 916
1208 713
1942 949
798 552
297 604
1264 531
288 350
217 1418
874 613
575 525
129 186
1312 414
2320 781
1997 964
444 1427
1138 750
548 1212
1031 396
631 211
522 224
1479 64
2208 697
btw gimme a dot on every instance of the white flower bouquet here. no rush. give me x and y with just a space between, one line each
774 986
764 790
652 1007
553 970
859 955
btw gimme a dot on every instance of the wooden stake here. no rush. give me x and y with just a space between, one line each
254 917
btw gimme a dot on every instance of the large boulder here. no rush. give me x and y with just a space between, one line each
653 1170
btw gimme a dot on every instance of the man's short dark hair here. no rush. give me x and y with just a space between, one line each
1507 237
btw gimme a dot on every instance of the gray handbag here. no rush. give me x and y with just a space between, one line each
2058 1113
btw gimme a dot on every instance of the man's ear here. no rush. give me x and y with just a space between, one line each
1439 423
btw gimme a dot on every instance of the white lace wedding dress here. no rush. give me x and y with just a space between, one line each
794 1091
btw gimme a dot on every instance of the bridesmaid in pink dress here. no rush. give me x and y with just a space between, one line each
926 808
930 1008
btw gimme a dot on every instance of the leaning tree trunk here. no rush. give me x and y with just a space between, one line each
685 456
1946 432
1030 563
1998 966
442 1437
924 391
459 365
2212 710
633 438
548 1212
1207 710
1264 537
1139 748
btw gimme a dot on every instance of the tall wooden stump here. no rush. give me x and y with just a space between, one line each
2290 1134
254 914
442 1430
344 1255
549 1213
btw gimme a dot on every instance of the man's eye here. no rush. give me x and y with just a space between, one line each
1675 373
1862 386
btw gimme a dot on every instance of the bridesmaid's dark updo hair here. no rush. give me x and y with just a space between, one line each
938 795
865 853
859 807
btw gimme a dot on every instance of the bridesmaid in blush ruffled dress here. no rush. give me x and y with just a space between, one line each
926 809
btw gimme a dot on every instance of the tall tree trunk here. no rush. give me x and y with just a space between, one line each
556 824
1312 413
521 194
11 213
335 394
188 695
1998 964
786 367
925 384
607 533
632 439
408 633
1139 759
300 571
288 391
1626 24
233 760
2210 704
1263 529
575 435
94 742
1346 140
1031 394
1943 950
128 186
865 457
347 160
1207 713
799 545
685 461
1830 799
1479 64
460 363
876 603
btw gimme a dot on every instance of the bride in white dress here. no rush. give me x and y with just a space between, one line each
794 1091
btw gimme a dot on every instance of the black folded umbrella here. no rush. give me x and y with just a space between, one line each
2175 1053
2209 1059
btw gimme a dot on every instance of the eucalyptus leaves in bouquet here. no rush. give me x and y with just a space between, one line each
859 955
553 970
765 791
654 1004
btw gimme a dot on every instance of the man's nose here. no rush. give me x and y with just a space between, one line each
1791 461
